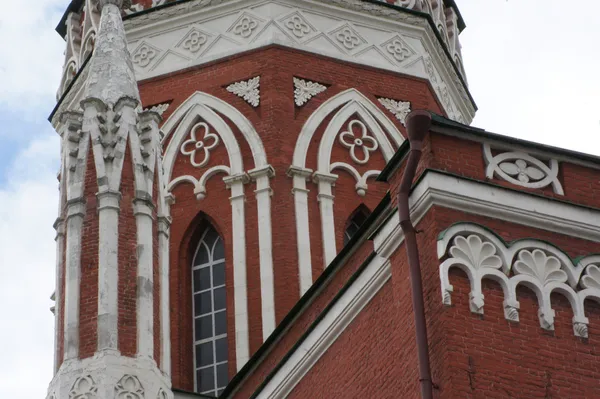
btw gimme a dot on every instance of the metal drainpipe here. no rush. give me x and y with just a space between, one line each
417 126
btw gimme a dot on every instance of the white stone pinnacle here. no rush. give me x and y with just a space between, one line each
111 75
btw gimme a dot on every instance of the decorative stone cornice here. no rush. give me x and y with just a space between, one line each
542 267
75 207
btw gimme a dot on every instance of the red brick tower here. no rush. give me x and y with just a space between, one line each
277 117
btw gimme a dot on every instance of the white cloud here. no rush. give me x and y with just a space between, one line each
31 53
28 208
532 68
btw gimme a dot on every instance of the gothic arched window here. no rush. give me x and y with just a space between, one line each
210 318
356 220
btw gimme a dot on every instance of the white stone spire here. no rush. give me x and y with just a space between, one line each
111 75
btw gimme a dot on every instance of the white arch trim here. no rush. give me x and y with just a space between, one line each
222 129
246 128
350 95
338 121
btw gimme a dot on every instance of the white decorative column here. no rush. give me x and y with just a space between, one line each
164 226
326 182
75 149
59 226
238 226
265 243
75 212
300 192
143 209
108 269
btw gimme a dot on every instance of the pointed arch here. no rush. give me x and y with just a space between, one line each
207 104
347 103
360 102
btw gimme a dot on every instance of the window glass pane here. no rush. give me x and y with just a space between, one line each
220 298
204 354
203 327
201 279
210 237
220 323
202 303
201 255
219 274
221 349
206 379
360 217
222 376
219 250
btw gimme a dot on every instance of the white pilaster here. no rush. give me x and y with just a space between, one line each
108 269
142 209
75 213
300 192
164 225
59 226
326 182
265 242
240 289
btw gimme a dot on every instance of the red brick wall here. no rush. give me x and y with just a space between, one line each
88 303
278 122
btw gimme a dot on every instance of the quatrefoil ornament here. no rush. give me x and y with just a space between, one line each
364 143
193 146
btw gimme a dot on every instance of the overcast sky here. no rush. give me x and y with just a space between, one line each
533 69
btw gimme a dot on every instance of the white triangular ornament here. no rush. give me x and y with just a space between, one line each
305 90
248 90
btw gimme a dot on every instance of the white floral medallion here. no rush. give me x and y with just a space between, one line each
522 169
364 143
198 149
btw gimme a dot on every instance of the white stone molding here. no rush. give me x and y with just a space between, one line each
240 282
325 182
522 169
400 109
249 90
366 143
300 192
367 34
535 264
305 90
195 145
265 242
361 180
328 329
345 105
129 387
